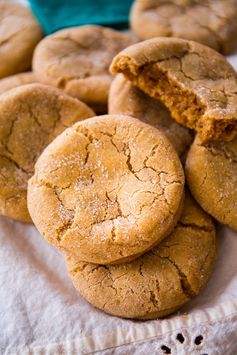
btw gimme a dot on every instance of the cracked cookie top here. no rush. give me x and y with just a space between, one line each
158 282
212 23
211 171
31 116
19 34
16 80
126 99
77 60
107 189
195 82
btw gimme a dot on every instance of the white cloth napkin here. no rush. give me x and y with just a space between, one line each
41 313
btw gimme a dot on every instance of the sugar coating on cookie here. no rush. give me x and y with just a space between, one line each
158 282
19 34
31 116
212 23
107 189
195 82
16 80
77 60
126 99
211 171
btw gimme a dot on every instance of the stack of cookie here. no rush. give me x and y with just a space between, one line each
109 191
69 66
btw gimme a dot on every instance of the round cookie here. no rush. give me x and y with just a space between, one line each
211 171
19 34
107 189
30 117
212 23
16 80
159 282
201 93
77 60
126 99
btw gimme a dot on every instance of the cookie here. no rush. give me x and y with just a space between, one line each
16 80
195 82
77 60
107 189
211 171
212 23
19 34
30 117
159 282
126 99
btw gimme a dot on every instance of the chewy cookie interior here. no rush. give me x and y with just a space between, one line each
184 105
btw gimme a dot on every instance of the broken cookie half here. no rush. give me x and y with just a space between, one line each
195 82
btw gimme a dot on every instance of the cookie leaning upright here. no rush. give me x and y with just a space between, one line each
77 60
212 23
211 171
159 282
19 34
30 117
195 82
107 189
126 99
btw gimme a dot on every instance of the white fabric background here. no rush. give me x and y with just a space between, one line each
41 313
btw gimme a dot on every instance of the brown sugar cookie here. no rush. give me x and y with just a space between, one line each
126 99
30 117
211 171
159 282
19 34
212 23
16 80
195 82
77 60
107 189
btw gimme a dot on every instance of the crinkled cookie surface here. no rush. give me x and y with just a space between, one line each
212 23
211 171
107 189
19 34
77 60
158 282
30 117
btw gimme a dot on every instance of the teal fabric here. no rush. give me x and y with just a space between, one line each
56 14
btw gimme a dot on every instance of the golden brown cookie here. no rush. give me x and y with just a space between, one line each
107 189
77 60
16 80
30 117
19 34
126 99
195 82
212 23
159 282
211 171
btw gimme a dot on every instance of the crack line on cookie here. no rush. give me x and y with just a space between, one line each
14 163
186 287
194 226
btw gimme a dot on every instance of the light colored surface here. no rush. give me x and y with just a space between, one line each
106 190
41 313
23 2
39 306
